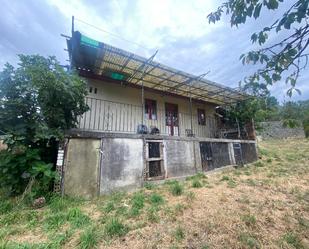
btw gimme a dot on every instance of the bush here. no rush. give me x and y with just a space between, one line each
20 166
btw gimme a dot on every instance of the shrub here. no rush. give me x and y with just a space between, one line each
22 165
5 206
176 189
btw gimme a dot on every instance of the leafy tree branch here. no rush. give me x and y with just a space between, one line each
287 57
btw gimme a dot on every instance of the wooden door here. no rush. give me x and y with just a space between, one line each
171 119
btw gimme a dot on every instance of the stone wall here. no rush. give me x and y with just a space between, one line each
275 130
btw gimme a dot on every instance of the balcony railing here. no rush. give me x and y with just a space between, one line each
110 116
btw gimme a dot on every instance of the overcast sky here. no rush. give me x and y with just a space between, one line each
177 28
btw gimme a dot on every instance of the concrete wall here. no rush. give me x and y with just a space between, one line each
111 163
180 158
122 164
81 167
117 108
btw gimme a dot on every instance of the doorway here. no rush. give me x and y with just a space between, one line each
171 119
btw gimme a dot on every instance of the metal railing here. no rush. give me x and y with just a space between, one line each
110 116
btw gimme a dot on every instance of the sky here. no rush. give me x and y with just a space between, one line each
178 29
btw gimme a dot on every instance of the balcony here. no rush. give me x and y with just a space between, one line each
110 116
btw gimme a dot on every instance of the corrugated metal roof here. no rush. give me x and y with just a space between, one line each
101 59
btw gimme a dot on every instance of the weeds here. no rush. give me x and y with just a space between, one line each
292 239
190 196
196 184
179 233
149 186
249 220
152 215
176 189
5 206
88 239
114 227
77 218
156 199
249 240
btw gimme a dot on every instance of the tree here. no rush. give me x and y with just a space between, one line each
39 100
260 107
286 57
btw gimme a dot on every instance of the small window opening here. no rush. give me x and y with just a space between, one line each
154 150
90 89
155 169
201 116
95 90
150 109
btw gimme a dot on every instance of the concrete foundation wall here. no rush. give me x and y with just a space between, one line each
179 158
112 163
122 164
81 167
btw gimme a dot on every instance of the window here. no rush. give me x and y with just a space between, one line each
201 116
150 109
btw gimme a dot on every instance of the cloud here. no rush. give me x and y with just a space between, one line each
178 29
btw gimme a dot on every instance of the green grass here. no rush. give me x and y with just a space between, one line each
249 220
179 233
196 184
137 203
77 218
5 206
176 189
149 186
89 238
114 227
150 214
293 240
54 221
249 241
156 199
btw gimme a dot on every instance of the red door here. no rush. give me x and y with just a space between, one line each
171 118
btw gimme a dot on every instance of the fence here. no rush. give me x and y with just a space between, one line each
110 116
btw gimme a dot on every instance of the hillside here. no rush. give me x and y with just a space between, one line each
262 205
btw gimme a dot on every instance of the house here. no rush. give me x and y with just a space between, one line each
146 122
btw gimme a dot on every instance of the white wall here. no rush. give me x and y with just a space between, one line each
122 110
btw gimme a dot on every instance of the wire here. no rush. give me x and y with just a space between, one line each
105 31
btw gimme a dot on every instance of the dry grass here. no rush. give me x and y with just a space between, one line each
263 205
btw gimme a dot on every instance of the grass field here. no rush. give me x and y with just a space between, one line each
263 205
